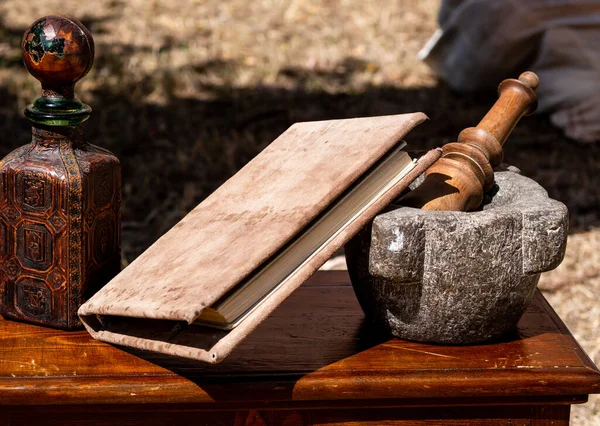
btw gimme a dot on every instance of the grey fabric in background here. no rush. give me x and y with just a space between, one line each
481 42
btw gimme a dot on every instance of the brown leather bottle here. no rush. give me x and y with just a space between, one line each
60 196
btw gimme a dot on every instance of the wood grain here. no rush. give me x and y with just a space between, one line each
314 350
313 362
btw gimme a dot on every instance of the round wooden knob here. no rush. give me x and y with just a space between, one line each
530 79
58 51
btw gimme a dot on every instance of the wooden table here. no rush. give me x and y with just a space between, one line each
315 361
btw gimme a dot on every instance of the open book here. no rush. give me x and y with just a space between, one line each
234 258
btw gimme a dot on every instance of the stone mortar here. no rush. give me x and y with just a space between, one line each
456 277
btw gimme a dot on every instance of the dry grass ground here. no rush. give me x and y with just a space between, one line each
187 92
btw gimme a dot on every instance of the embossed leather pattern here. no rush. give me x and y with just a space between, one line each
59 227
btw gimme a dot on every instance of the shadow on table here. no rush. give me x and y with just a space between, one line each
282 368
320 335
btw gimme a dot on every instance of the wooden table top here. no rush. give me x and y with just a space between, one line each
316 349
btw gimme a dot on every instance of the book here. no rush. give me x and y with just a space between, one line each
228 311
236 256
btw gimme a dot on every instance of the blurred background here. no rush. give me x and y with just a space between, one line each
186 92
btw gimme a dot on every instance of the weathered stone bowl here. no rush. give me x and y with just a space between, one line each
455 277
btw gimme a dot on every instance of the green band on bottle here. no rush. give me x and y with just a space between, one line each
57 112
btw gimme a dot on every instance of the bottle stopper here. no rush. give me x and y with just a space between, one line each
58 51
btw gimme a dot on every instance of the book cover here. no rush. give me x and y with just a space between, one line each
153 303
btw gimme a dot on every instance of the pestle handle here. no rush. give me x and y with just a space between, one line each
458 180
516 98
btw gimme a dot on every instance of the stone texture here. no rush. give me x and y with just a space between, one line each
456 277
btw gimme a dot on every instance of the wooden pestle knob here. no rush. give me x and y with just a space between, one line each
458 180
58 51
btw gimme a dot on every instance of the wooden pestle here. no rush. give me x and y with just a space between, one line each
458 180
